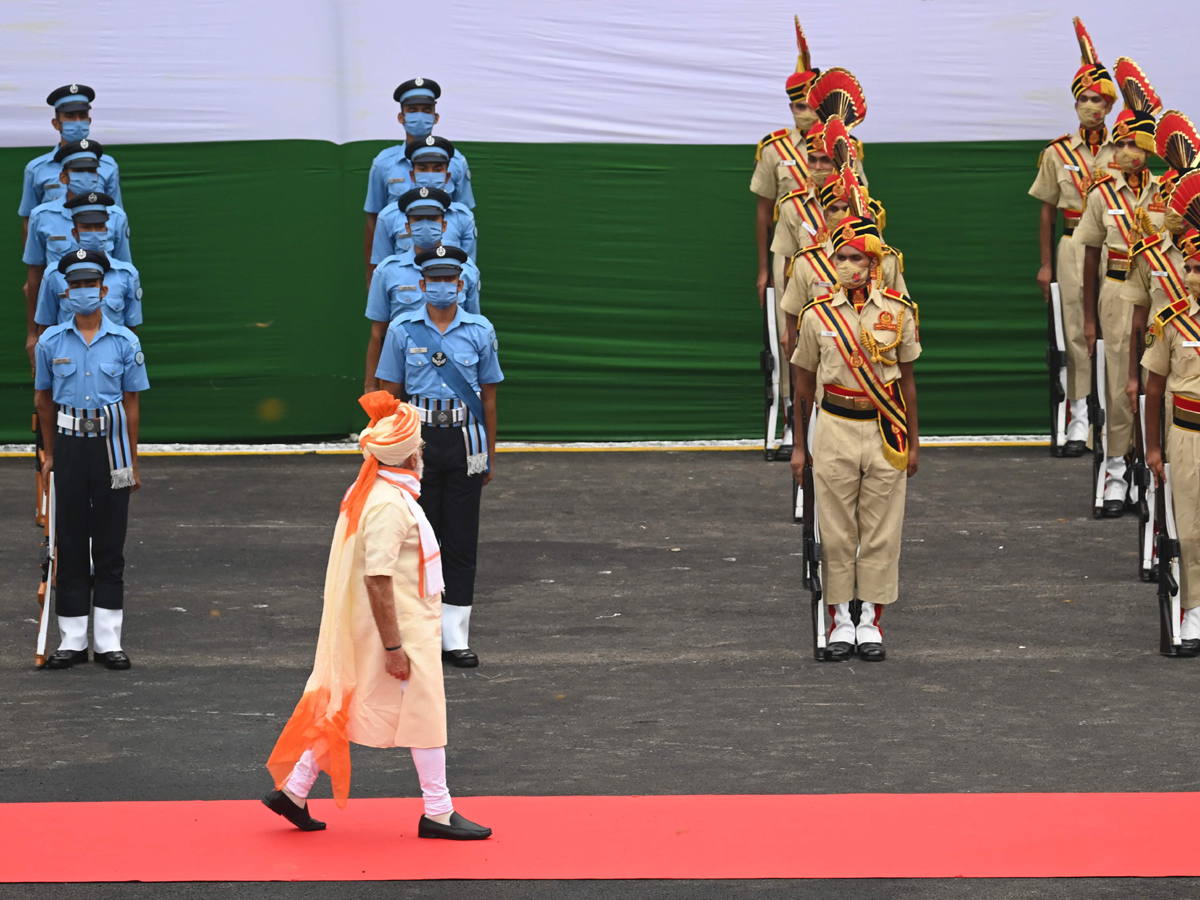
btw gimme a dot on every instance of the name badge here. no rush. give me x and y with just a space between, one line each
790 162
1116 212
1159 274
418 349
1070 168
809 229
828 334
1191 343
62 360
394 180
824 283
406 287
57 237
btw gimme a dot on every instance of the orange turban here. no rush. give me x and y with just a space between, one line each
393 435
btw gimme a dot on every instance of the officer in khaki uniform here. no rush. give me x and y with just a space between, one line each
1172 364
1109 228
858 344
1066 171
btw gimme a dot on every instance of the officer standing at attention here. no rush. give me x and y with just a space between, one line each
122 293
445 359
858 344
430 160
72 120
1067 168
51 224
89 374
391 172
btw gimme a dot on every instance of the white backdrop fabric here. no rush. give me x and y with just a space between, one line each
639 71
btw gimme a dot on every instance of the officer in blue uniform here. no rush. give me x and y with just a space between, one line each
72 120
120 295
89 374
430 160
51 224
391 172
444 359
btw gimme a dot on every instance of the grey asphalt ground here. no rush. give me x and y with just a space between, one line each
642 631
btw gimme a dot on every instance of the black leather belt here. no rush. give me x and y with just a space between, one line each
862 415
1116 274
1185 424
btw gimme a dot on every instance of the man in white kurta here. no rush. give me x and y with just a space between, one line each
377 677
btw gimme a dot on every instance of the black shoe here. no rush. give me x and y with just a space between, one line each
784 453
113 659
871 652
64 659
1188 648
459 829
1113 509
1074 449
464 659
280 803
839 651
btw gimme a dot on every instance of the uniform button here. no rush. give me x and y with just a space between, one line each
89 374
443 384
87 398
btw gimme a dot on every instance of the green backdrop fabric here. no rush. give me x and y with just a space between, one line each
620 279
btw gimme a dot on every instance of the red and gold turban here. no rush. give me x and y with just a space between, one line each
1092 76
861 234
798 83
1189 243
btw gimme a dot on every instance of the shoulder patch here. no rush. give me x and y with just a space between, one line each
139 358
772 137
1167 313
893 294
1065 137
811 248
798 192
1104 178
894 251
1145 244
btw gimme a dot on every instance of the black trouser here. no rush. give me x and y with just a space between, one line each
451 502
88 508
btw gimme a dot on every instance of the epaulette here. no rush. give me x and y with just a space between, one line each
1065 137
1042 152
1102 178
1145 244
798 192
769 139
810 304
811 248
888 248
1167 313
893 294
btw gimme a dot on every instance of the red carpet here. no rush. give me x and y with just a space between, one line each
914 836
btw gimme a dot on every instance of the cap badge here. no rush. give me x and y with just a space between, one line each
424 192
83 145
91 198
1123 129
1086 81
429 141
848 232
74 89
441 251
82 254
418 81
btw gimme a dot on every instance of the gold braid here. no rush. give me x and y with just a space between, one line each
1143 221
876 350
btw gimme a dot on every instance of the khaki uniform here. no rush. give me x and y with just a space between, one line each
1056 184
1102 226
801 223
1142 287
810 279
860 495
1168 356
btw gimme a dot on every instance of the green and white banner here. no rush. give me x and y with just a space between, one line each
610 146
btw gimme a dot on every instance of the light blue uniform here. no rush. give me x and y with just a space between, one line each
122 304
86 376
392 174
42 184
50 235
396 288
470 341
391 235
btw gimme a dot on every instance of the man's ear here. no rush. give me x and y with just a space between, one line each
443 226
75 233
421 284
63 177
103 290
435 118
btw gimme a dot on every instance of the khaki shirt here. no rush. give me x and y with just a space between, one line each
805 284
817 351
795 229
1142 287
774 174
1055 183
1168 356
1101 227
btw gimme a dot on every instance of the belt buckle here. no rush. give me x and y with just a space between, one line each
860 403
443 417
89 425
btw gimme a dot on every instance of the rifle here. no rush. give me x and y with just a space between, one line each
1143 480
811 544
45 594
1098 412
39 459
1056 362
769 363
1168 568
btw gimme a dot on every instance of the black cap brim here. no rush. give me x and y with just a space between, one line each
84 274
91 217
73 106
442 269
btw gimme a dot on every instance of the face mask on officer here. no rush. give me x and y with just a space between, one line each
418 124
441 294
92 240
83 181
835 214
84 300
439 180
1130 157
1091 107
1191 277
804 116
75 130
426 233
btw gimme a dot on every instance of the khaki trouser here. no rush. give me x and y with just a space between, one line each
1069 272
860 502
1116 327
778 264
1183 453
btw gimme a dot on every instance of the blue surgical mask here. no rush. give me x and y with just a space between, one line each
418 124
75 131
439 180
85 300
426 233
93 240
81 182
441 294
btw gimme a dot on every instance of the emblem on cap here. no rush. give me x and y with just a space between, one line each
74 89
429 141
848 232
424 192
83 145
441 251
91 198
418 81
82 254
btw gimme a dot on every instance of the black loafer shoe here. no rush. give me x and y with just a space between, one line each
114 659
1113 509
459 829
64 659
1188 648
280 803
784 453
871 652
1074 449
839 651
464 659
